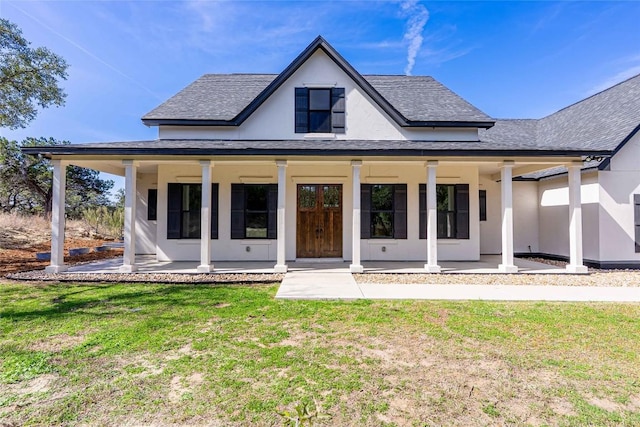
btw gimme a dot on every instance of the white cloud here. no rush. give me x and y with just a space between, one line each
620 76
417 15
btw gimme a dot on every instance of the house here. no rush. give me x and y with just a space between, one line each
320 161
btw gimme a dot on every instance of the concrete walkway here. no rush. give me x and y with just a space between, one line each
338 283
328 281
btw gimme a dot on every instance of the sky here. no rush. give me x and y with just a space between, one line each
524 59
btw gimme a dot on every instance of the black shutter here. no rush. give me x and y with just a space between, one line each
462 211
237 211
400 211
214 211
337 110
302 110
636 219
422 203
152 204
482 197
272 206
174 210
365 211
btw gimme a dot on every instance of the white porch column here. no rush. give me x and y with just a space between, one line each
506 175
281 266
575 220
130 192
57 218
432 219
355 266
205 219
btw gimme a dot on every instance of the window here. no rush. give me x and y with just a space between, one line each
483 205
320 110
383 211
152 204
183 211
453 211
253 211
636 220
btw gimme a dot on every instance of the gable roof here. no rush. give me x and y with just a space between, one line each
603 121
229 99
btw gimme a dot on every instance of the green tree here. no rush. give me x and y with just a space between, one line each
28 78
26 182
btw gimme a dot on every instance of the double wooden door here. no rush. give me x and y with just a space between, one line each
319 229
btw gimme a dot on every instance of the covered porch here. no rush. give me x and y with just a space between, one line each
349 174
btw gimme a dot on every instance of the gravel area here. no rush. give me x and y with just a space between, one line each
619 278
221 278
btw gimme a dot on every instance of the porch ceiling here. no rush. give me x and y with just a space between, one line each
486 167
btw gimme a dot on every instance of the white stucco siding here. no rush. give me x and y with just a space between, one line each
616 210
145 229
413 248
553 222
617 231
274 119
224 248
491 229
525 216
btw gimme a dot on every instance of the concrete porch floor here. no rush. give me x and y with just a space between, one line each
488 264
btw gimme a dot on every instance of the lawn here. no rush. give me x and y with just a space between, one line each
232 355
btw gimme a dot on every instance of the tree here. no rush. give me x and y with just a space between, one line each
26 182
28 78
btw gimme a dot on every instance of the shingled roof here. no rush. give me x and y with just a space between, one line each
604 121
228 99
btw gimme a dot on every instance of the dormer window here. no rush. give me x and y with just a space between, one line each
320 110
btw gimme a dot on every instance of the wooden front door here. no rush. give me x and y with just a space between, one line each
319 229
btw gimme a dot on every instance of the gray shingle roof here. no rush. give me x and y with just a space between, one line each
213 97
600 122
224 96
423 98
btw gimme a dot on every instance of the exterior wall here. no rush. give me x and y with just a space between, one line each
226 249
525 217
413 248
553 222
145 229
274 119
617 187
491 229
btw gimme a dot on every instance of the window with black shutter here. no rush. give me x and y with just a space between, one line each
152 204
482 196
253 211
319 110
184 202
636 220
453 211
383 211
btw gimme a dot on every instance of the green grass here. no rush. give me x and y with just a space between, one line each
197 355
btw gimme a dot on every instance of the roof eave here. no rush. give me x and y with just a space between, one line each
99 151
417 124
451 124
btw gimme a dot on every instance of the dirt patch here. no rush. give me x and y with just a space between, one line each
21 238
180 386
57 343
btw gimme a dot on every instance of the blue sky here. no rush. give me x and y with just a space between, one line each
510 59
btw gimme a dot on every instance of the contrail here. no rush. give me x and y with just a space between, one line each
103 62
418 16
